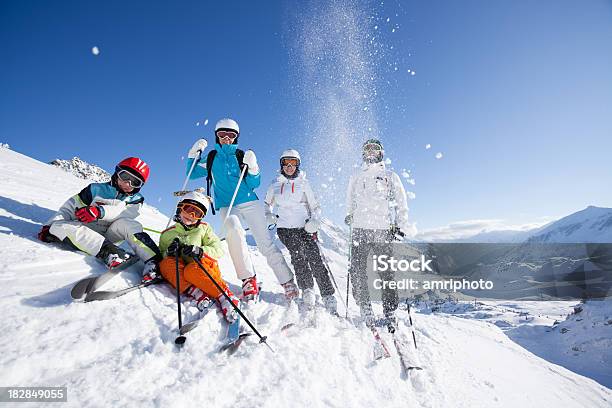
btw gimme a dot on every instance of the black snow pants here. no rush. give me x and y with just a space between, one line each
367 242
306 259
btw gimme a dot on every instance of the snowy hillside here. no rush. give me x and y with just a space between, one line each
593 224
121 352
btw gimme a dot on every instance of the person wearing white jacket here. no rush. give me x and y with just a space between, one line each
297 220
377 212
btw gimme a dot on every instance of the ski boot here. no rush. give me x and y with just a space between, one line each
250 290
112 255
331 305
291 291
199 299
367 315
229 312
309 298
150 272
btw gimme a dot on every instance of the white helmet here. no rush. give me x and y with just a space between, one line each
199 199
227 124
291 154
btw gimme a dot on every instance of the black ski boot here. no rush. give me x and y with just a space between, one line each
112 255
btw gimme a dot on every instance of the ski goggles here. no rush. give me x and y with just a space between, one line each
128 177
193 211
289 163
226 134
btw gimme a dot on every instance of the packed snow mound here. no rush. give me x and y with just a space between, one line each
82 169
593 224
121 352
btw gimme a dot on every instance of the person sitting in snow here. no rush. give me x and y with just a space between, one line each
222 168
103 214
377 213
195 239
297 220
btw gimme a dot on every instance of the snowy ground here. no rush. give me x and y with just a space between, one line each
121 352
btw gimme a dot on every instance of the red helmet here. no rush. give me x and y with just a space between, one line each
135 166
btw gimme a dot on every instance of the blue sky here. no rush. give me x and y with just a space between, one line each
516 95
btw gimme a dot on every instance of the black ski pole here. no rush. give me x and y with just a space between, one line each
348 274
180 340
411 326
333 279
262 339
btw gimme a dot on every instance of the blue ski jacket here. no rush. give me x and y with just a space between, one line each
225 175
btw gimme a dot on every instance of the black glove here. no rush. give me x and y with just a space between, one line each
396 233
348 220
174 248
192 251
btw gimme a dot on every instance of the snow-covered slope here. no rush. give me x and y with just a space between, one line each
82 169
120 352
593 224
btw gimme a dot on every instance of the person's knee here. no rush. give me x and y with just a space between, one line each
233 227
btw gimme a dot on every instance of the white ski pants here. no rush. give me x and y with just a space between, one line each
90 237
253 215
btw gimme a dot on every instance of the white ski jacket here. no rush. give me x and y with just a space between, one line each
376 198
294 200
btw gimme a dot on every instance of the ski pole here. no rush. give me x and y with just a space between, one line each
262 339
229 209
180 340
195 161
411 325
324 258
348 274
151 230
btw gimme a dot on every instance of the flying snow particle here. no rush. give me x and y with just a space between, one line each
412 73
388 19
410 195
324 185
408 71
438 155
428 146
206 122
95 51
197 123
387 161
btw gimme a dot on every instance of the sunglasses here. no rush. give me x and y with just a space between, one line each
191 210
223 134
128 177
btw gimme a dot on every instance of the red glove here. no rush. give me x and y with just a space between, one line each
88 214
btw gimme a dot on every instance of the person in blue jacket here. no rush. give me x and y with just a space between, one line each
222 168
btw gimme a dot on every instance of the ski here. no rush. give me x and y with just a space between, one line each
407 362
92 283
234 337
106 295
380 347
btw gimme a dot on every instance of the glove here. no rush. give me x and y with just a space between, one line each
312 226
251 161
271 218
192 251
348 220
396 233
89 214
199 145
174 248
